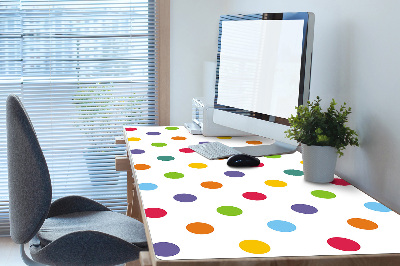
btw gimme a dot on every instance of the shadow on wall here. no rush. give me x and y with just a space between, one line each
333 63
373 161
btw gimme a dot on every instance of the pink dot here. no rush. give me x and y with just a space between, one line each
155 212
340 182
254 196
186 150
343 244
130 129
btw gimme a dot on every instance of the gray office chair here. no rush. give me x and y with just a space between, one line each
70 231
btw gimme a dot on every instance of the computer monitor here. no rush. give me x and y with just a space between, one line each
263 72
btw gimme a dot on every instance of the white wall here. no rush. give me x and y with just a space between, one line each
194 41
356 60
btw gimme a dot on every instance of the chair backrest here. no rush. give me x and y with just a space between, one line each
29 183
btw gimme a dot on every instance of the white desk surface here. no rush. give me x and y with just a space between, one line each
202 209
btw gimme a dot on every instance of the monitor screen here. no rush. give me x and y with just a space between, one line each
263 72
260 63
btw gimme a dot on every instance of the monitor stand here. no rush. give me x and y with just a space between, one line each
275 148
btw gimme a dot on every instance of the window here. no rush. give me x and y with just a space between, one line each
83 69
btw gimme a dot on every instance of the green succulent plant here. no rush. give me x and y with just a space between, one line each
312 126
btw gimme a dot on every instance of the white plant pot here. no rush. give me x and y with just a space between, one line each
319 163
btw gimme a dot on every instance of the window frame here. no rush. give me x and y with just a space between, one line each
163 36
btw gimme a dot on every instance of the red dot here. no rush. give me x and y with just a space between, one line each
130 129
343 244
186 150
340 182
155 212
254 196
260 165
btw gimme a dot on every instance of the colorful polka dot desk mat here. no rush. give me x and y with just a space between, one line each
201 209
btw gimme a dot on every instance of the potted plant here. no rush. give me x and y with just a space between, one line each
323 135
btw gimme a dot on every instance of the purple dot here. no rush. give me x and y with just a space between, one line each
304 208
165 249
153 133
185 197
202 142
137 151
234 174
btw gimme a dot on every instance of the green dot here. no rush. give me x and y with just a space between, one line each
165 158
273 156
293 172
229 211
172 128
323 194
174 175
158 144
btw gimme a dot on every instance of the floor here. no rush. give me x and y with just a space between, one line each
9 253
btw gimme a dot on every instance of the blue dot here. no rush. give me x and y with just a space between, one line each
281 226
147 186
202 142
376 206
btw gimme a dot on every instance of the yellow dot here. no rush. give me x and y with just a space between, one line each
197 165
224 137
133 139
254 246
301 162
275 183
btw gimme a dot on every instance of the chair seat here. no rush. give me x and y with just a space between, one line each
107 222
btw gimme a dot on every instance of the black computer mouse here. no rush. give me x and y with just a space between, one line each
242 160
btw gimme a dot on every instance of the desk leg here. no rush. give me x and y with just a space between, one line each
134 212
129 192
132 197
133 263
144 260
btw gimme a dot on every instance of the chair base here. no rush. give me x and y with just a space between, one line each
26 259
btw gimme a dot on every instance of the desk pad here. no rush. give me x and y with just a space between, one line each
202 209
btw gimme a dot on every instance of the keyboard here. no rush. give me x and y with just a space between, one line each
214 150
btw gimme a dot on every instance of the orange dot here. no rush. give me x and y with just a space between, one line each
211 185
142 166
178 138
133 139
301 162
200 228
362 223
254 142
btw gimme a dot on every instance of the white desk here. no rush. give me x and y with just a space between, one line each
201 211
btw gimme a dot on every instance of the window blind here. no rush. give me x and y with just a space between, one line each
83 69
